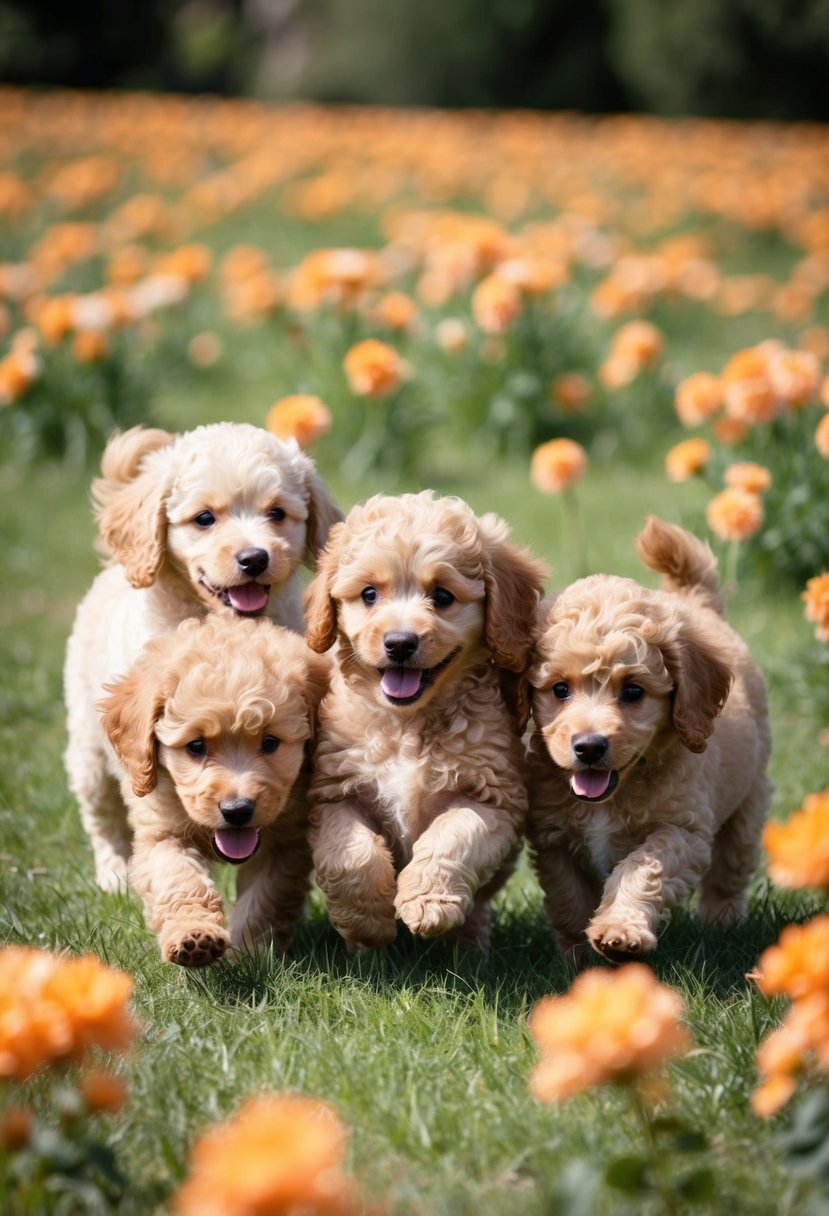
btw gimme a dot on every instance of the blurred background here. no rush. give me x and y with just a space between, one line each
727 58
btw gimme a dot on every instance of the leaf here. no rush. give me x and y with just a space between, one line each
629 1174
691 1142
697 1186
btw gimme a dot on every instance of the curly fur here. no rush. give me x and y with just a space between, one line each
232 685
688 751
418 799
164 567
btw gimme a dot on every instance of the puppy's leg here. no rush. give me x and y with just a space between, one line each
271 889
355 871
734 858
459 851
570 897
102 809
181 904
658 875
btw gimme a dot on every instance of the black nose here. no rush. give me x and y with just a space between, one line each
400 646
252 561
590 749
237 811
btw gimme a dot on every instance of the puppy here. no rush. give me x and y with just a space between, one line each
217 519
418 792
210 727
647 765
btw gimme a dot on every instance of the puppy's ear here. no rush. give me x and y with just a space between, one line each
320 606
702 681
514 581
129 503
319 679
323 513
129 714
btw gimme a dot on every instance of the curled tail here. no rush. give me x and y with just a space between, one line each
685 563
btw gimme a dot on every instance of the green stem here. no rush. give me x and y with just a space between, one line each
661 1181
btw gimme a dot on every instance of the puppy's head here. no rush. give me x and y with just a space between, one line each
224 513
222 709
417 590
619 674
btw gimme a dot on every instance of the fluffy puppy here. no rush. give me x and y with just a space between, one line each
418 792
216 519
647 765
211 728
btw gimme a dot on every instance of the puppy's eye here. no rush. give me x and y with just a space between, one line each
205 519
196 747
369 595
631 693
442 598
276 515
561 689
269 744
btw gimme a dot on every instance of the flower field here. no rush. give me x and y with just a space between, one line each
572 321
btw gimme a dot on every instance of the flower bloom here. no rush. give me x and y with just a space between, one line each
18 372
610 1026
697 398
496 303
747 476
734 514
374 369
557 464
103 1092
302 417
822 437
798 965
570 390
396 310
279 1154
451 335
816 598
794 376
54 1008
686 459
799 848
639 341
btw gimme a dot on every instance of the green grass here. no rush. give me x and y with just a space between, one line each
423 1051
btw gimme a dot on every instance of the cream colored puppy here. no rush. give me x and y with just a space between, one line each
648 761
218 519
418 791
211 727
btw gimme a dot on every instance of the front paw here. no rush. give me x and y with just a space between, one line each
195 947
619 942
429 913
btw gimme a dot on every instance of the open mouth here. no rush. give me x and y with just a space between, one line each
405 685
236 844
594 785
248 599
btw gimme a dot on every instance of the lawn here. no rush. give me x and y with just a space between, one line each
423 1051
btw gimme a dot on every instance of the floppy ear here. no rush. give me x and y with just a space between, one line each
702 681
323 513
129 715
320 606
514 581
318 681
129 503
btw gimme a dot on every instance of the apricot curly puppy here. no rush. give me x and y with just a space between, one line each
647 765
218 519
418 792
211 728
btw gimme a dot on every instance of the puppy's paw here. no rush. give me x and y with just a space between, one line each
433 914
195 947
362 930
111 875
619 942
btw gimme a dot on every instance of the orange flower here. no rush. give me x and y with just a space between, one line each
16 1125
18 372
639 341
557 464
822 437
204 349
798 965
617 371
824 392
278 1155
89 346
302 417
734 514
783 1054
684 460
747 476
730 431
794 376
94 998
799 848
610 1026
816 598
451 335
496 303
697 398
570 391
374 369
103 1091
748 392
396 311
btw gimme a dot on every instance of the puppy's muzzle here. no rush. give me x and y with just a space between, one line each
238 841
589 748
237 811
591 781
400 646
252 562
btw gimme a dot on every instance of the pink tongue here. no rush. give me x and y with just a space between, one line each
249 597
401 682
237 843
589 784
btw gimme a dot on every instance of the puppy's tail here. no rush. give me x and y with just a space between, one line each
685 563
